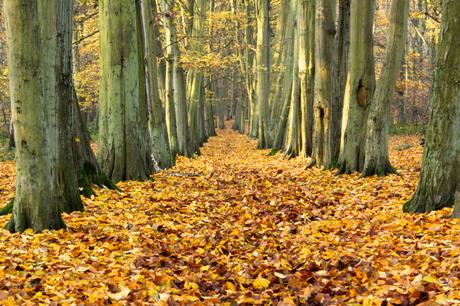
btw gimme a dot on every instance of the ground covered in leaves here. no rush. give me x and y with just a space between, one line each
238 226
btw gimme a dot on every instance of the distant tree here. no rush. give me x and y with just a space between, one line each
378 124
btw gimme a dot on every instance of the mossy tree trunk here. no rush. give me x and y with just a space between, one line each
263 72
36 202
360 87
124 147
440 175
249 57
325 85
378 124
157 120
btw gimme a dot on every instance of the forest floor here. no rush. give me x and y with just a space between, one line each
238 226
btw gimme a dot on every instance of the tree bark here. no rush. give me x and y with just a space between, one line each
124 147
157 120
378 124
360 87
36 203
307 12
440 175
325 86
263 71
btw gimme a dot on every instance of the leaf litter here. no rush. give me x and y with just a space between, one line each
245 228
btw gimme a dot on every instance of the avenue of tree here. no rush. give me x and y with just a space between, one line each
303 84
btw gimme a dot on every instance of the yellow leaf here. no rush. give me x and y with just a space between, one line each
191 286
261 283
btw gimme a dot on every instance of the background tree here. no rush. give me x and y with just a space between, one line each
378 124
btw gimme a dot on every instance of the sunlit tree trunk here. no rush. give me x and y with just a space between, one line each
343 46
124 147
440 175
171 118
36 204
292 145
325 85
360 87
249 73
378 124
306 21
157 120
263 71
196 92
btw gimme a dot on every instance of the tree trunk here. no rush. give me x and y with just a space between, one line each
124 147
66 169
325 86
306 21
292 146
360 87
157 120
378 124
196 110
343 46
36 203
263 71
440 176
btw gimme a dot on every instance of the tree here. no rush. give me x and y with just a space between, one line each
157 122
440 174
378 124
360 87
306 73
263 71
184 143
124 147
36 203
325 78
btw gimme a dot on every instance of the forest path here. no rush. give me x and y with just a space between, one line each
235 224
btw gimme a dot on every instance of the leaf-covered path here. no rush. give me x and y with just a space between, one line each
235 225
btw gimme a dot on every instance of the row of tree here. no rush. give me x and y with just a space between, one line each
327 105
148 112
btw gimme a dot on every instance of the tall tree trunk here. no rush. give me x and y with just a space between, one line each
249 65
124 147
263 71
440 176
360 87
283 90
292 146
306 73
157 120
378 124
196 110
66 168
343 46
325 86
36 204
